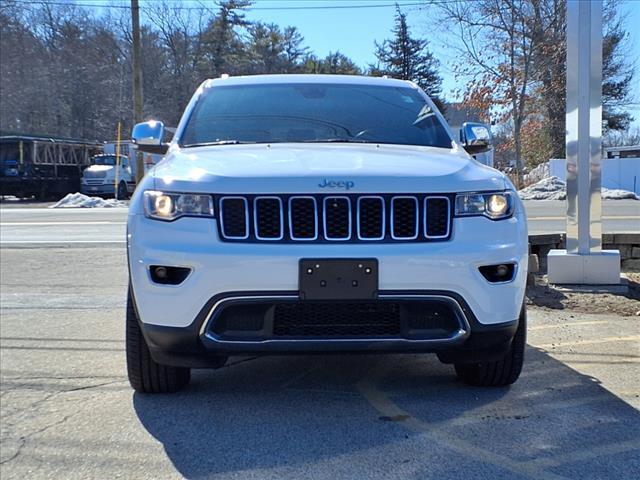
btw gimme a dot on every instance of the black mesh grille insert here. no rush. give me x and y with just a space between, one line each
303 218
367 319
405 215
337 214
437 217
278 319
438 317
371 218
268 214
234 217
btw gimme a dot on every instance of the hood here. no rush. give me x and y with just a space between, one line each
323 168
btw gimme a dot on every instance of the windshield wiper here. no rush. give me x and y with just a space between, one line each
218 142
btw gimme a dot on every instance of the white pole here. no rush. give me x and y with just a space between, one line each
584 126
584 261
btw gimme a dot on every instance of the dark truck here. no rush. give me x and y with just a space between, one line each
43 167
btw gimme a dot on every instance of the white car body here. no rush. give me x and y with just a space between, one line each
223 270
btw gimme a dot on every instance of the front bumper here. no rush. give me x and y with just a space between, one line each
218 268
196 346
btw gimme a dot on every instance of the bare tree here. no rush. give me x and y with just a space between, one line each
497 47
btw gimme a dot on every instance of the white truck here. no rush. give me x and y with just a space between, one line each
105 178
321 213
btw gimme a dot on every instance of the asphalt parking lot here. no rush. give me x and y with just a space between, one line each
67 410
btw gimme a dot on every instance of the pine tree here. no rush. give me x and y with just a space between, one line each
223 46
334 63
409 58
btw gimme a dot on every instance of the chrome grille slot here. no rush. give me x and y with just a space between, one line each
234 218
267 218
404 218
303 218
337 218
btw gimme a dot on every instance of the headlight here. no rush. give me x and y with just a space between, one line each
495 206
169 206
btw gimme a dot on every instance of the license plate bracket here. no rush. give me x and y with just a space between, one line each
338 279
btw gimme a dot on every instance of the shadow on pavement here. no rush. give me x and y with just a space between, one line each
295 414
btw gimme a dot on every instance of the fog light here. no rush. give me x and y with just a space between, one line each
502 272
166 275
161 272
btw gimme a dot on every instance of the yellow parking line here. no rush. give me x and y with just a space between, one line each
383 404
569 324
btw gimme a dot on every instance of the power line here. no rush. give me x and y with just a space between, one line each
250 8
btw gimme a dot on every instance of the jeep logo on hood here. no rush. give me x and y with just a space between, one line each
346 185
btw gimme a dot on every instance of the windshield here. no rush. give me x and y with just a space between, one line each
272 113
104 160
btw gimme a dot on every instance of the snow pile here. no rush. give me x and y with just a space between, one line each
78 200
549 188
537 174
617 194
552 188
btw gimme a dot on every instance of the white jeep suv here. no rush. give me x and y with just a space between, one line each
313 213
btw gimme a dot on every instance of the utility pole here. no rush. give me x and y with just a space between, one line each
137 80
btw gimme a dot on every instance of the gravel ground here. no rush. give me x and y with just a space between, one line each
546 296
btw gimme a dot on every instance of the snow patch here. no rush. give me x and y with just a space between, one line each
540 172
79 200
618 194
552 188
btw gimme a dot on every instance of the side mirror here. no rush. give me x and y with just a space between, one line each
475 137
148 136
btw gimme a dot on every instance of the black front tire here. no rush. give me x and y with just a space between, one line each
145 374
501 372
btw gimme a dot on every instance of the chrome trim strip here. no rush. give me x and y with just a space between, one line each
426 234
417 228
255 218
246 217
463 332
384 218
324 219
315 218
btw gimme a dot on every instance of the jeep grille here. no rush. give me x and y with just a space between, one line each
335 218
